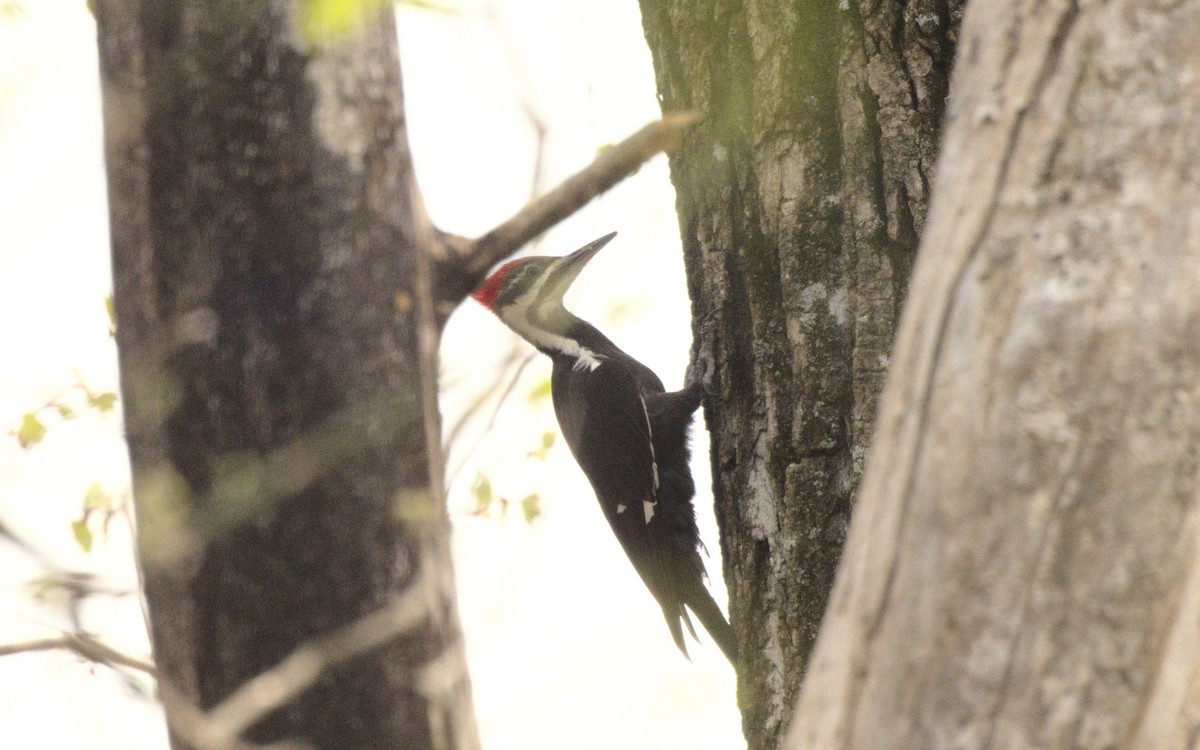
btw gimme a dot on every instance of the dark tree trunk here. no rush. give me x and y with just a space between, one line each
801 196
265 226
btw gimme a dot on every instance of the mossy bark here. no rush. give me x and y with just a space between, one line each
801 196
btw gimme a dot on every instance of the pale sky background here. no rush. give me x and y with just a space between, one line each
566 648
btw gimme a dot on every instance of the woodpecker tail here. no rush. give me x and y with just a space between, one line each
705 608
701 603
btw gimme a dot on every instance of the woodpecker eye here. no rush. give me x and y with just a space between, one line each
522 278
510 281
519 279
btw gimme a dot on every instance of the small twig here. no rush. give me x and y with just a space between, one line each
511 360
83 645
521 73
504 394
463 267
25 546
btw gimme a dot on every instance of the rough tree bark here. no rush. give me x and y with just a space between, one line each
280 292
1023 568
801 196
264 227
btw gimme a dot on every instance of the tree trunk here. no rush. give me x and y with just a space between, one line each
265 230
1023 568
801 196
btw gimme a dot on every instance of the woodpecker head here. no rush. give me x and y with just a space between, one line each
528 292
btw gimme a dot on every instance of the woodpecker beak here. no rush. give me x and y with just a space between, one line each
563 273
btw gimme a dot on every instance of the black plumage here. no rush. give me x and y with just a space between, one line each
626 432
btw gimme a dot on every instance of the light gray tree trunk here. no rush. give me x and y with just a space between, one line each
1023 567
801 196
265 226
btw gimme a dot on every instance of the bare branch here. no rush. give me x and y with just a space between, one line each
84 645
462 267
610 167
243 488
192 724
221 728
429 331
508 369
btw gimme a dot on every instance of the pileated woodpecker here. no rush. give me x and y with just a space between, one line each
627 433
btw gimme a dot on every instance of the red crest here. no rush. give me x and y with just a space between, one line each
485 293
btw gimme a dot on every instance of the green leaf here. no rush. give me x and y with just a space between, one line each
102 401
83 535
330 19
97 499
65 411
547 442
324 21
31 431
111 310
540 391
531 506
482 490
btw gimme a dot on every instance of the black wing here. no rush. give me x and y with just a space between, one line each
604 421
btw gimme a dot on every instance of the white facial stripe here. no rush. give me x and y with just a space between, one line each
516 315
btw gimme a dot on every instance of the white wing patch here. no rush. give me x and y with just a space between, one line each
621 508
648 505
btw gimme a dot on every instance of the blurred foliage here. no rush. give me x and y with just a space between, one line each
11 9
486 500
96 503
324 21
111 309
531 507
33 428
31 431
104 402
481 490
45 588
83 535
541 452
65 406
540 391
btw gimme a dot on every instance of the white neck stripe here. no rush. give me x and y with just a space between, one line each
516 315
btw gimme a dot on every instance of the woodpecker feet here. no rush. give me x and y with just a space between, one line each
702 366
